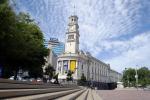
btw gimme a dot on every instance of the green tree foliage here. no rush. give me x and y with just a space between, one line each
144 76
7 31
21 43
82 81
129 79
49 70
69 75
56 78
83 78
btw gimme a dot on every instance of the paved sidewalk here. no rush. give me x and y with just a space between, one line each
132 94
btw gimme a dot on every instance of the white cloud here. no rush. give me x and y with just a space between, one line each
101 24
106 19
134 52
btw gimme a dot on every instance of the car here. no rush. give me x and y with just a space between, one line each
31 79
18 78
52 80
25 78
39 80
147 88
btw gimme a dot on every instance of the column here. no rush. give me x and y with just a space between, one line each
62 65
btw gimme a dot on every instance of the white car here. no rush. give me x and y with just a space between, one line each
18 78
31 79
147 88
39 80
53 80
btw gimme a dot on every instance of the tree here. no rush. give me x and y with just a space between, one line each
143 77
56 78
129 77
36 72
82 81
49 70
7 31
22 43
83 78
69 75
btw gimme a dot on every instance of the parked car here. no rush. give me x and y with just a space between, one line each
147 88
39 80
52 80
18 78
25 78
31 79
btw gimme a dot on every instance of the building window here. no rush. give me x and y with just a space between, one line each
65 66
71 37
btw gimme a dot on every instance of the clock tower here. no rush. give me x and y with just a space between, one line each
72 36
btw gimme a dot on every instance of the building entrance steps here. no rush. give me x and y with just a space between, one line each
90 96
72 96
25 92
46 96
83 96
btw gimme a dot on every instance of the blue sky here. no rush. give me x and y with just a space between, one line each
114 31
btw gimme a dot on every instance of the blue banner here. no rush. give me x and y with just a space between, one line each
65 65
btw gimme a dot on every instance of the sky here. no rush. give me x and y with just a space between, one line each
114 31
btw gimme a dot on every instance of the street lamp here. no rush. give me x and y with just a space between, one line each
136 77
128 80
127 77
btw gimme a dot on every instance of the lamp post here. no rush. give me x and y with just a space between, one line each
136 77
128 80
127 77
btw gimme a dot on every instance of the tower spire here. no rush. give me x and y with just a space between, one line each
74 7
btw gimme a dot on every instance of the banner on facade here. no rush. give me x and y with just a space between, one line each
73 65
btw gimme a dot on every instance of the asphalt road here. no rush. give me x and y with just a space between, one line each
124 94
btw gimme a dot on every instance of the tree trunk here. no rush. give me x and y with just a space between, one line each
15 73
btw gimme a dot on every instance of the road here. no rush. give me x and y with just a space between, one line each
128 94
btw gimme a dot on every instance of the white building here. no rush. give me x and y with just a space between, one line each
114 76
80 62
